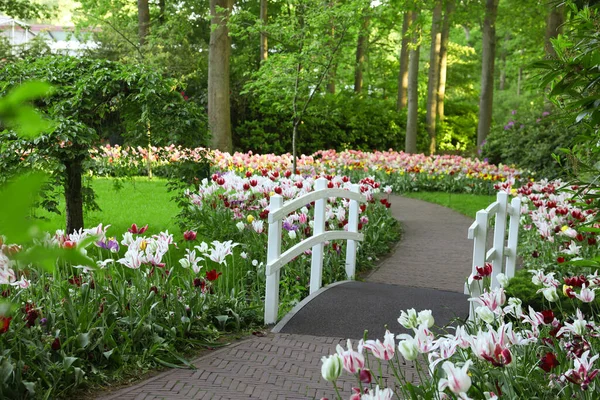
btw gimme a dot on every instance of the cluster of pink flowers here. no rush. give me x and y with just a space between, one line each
556 212
248 197
508 338
323 161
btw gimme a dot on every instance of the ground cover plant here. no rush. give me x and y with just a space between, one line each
144 200
465 203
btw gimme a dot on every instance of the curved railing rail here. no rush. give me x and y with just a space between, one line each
276 260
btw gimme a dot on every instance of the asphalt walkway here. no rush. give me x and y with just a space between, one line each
427 269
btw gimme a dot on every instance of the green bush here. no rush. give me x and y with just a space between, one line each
336 122
530 144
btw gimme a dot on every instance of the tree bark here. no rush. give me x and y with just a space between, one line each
73 195
433 76
264 48
331 74
467 31
487 71
444 59
502 82
162 8
361 51
403 74
412 119
219 119
554 22
143 20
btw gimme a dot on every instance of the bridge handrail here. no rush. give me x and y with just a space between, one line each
276 260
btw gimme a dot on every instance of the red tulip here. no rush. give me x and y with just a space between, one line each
4 323
138 231
212 275
548 362
56 344
548 316
189 235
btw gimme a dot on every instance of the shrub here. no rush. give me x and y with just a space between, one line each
530 144
331 122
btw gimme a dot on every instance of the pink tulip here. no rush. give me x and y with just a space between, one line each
353 361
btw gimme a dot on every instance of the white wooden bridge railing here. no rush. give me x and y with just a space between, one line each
276 260
501 249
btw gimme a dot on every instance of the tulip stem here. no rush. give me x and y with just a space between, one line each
337 391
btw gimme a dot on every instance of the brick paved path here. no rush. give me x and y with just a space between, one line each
278 366
434 253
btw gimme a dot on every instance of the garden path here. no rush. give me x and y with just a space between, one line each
427 269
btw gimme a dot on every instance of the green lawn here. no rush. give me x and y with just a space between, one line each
140 200
464 203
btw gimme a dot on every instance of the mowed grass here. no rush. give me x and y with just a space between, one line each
465 203
141 201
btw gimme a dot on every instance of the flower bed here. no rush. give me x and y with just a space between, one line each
243 201
510 350
404 172
137 302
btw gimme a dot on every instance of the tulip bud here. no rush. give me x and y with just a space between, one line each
331 368
240 225
502 280
365 376
426 318
485 314
408 349
550 294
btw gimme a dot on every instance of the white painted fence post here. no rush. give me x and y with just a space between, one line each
316 266
513 237
352 227
479 236
499 237
273 252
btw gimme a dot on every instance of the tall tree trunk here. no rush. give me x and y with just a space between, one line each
333 70
161 8
412 119
487 71
519 77
264 48
467 31
502 82
444 59
143 20
219 119
554 22
433 76
73 194
403 74
361 51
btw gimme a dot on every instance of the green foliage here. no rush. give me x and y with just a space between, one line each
575 80
95 100
530 144
337 122
458 130
24 9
